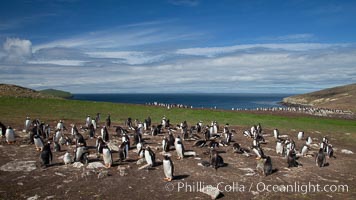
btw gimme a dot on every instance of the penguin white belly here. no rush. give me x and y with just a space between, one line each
139 146
148 158
94 123
79 153
304 150
10 136
275 133
38 143
167 168
163 144
27 124
179 150
58 136
300 135
107 156
279 148
67 158
256 152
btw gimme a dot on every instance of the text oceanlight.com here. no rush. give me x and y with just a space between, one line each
296 187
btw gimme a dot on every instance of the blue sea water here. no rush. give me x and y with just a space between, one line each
220 101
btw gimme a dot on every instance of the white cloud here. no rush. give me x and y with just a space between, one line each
214 51
17 50
59 62
127 57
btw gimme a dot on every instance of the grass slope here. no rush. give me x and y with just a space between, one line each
16 109
57 93
342 97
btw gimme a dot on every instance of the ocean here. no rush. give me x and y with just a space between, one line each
208 101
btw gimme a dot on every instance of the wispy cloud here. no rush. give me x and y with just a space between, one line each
301 37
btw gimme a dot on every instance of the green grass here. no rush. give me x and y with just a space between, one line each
57 93
16 109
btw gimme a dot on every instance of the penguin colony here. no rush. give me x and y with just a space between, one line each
210 137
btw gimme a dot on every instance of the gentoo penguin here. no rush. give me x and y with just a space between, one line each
320 159
88 121
105 134
258 151
267 169
179 148
150 157
67 159
57 135
304 150
237 148
81 155
279 147
60 125
79 140
91 131
171 138
325 139
125 138
207 134
199 143
46 155
247 133
107 157
2 129
300 135
99 145
140 150
56 147
216 160
276 134
38 142
93 122
165 144
108 121
168 168
10 135
309 141
330 151
123 151
292 159
27 124
259 128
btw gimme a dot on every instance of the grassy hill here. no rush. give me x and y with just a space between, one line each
7 90
57 93
342 97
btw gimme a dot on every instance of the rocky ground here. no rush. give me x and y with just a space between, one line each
23 177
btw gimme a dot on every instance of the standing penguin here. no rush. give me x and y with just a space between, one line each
123 151
91 131
216 160
27 124
267 169
165 144
168 168
276 134
107 157
46 155
300 135
292 159
105 134
108 121
38 142
99 145
320 159
57 147
150 157
10 135
171 138
330 151
304 150
179 148
67 159
309 141
279 147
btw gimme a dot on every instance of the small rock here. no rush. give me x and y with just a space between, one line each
77 165
95 165
59 174
345 151
213 192
33 198
20 183
103 174
49 197
140 161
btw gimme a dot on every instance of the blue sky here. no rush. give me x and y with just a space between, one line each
172 46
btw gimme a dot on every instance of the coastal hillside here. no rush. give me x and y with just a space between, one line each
8 90
342 97
57 93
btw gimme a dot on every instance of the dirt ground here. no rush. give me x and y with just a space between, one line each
237 180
